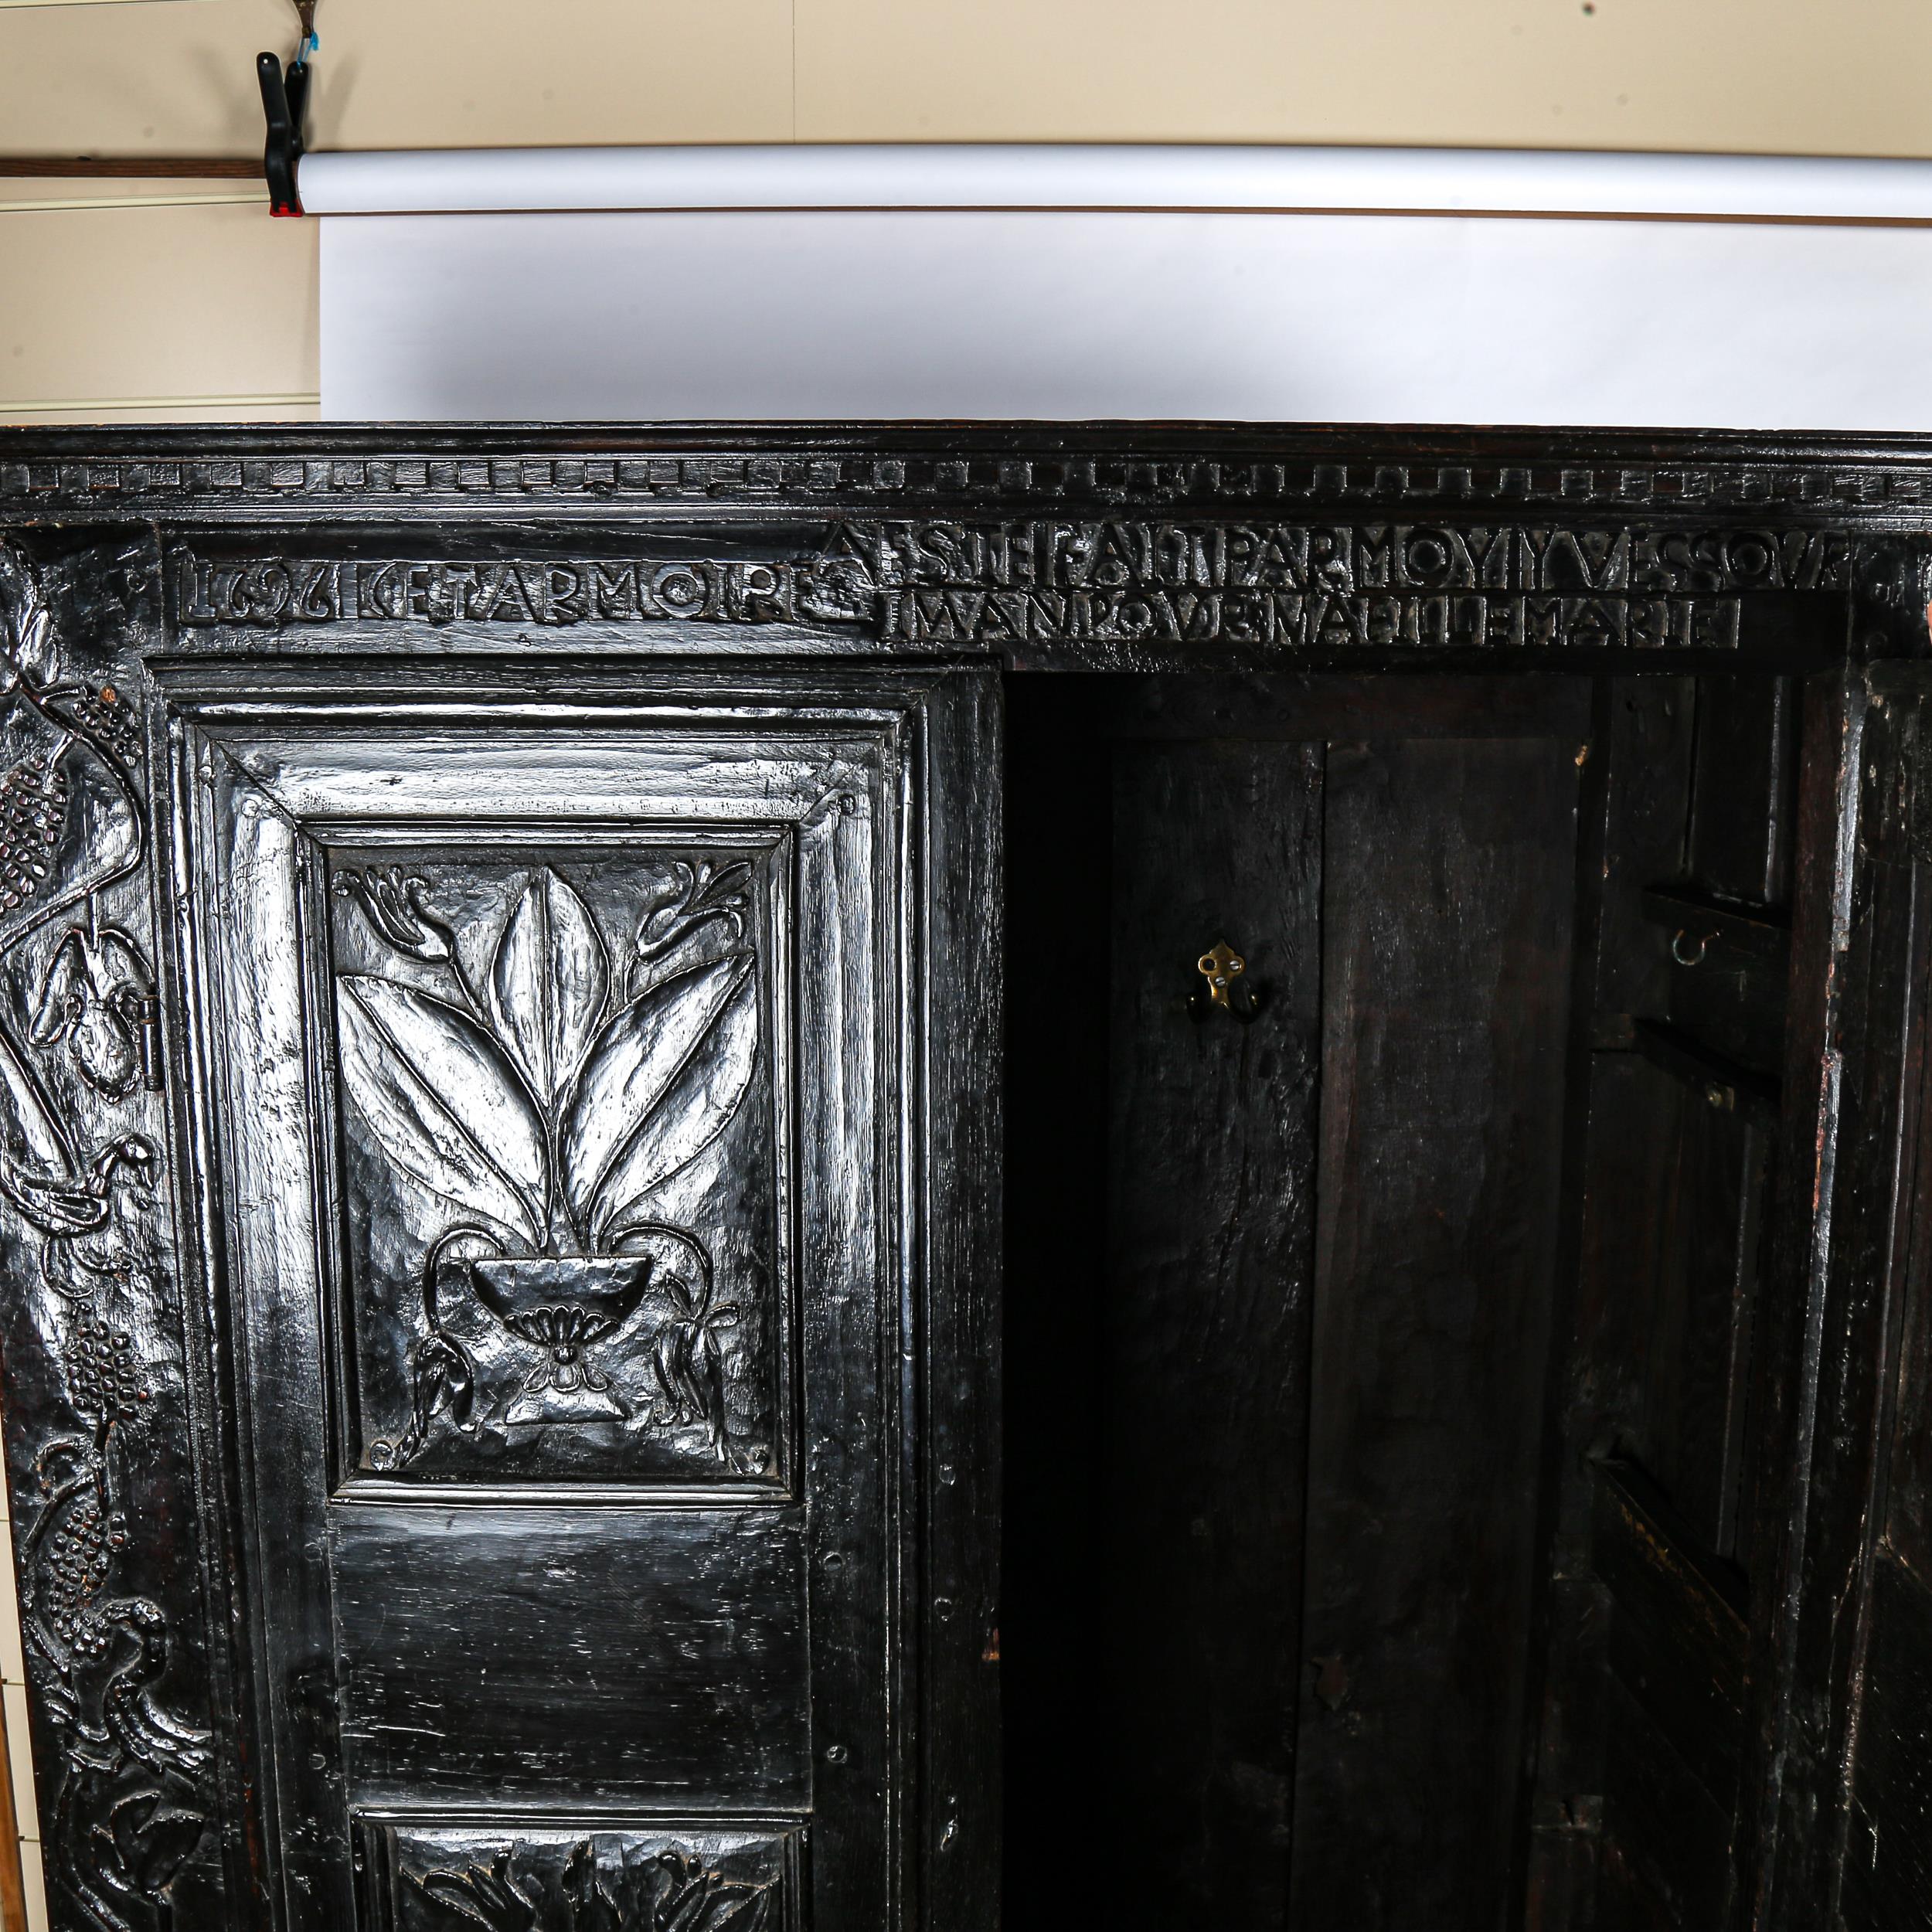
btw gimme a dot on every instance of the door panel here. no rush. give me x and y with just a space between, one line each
721 1879
644 1658
558 1064
1445 982
1203 1352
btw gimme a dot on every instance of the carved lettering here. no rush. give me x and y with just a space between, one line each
1360 558
274 593
1291 587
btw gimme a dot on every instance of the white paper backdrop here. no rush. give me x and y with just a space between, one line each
840 311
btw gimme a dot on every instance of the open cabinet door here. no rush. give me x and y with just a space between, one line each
1841 1662
582 1155
1884 1647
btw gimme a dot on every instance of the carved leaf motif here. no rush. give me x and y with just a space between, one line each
661 1083
26 626
444 1100
548 983
28 1129
153 1839
668 1891
487 1896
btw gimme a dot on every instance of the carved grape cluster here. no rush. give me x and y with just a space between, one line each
103 1377
109 720
76 1573
33 805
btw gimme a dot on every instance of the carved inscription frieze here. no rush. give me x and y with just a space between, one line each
1303 587
560 1247
131 1794
275 591
1299 589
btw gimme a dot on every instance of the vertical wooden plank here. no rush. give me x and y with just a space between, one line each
1886 1875
1859 964
1212 1211
959 1216
1644 731
1691 1434
1447 967
1888 1866
1745 788
1784 1376
1670 1837
1634 814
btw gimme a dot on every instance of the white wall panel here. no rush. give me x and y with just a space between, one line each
1005 313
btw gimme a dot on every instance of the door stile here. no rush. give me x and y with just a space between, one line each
200 1240
954 1340
1842 1249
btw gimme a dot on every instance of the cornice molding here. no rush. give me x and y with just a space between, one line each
328 472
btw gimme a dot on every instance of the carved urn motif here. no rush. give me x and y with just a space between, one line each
510 1082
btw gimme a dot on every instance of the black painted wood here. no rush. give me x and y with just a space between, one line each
1885 1880
1204 1343
744 1657
1888 1877
1633 812
1446 983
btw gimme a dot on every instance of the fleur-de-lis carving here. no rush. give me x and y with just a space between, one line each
540 1106
547 1110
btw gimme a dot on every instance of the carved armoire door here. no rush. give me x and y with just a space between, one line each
555 1104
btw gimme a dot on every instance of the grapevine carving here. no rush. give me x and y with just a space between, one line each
132 1800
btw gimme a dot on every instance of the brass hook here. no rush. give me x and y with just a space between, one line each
1687 948
1221 966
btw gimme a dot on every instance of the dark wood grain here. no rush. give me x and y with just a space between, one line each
1211 1240
1634 810
1446 975
1886 1879
953 1437
1854 1109
1744 789
1888 1867
1678 1634
1669 1841
135 167
587 1669
1687 1426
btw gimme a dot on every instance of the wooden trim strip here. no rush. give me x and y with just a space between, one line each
75 204
293 399
135 167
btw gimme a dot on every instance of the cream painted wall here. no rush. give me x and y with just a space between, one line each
123 300
171 300
1786 76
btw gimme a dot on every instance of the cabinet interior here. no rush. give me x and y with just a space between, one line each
1379 1403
